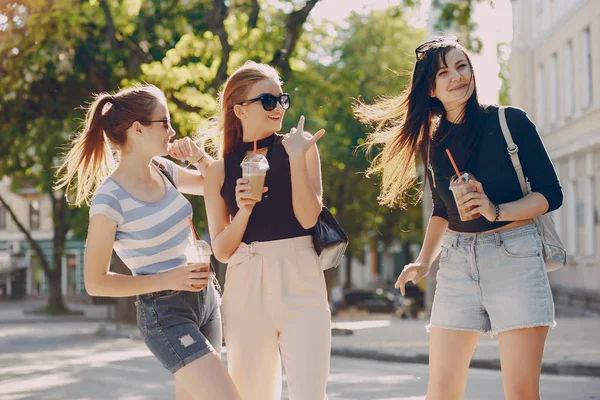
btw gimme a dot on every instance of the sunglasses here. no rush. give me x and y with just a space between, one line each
165 123
426 46
269 102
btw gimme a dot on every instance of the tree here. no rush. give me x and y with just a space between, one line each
324 92
458 14
54 54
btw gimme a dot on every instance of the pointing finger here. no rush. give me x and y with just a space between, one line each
300 126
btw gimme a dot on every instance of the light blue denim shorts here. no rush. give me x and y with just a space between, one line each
492 282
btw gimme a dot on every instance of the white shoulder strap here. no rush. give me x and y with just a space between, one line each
513 150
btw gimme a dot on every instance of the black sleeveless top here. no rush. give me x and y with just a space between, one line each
273 217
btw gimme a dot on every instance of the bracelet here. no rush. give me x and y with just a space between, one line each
201 158
497 207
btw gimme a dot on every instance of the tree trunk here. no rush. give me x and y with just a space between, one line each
61 225
56 302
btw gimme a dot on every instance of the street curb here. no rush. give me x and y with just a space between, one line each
34 320
564 368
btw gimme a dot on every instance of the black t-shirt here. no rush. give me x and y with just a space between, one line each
488 160
273 217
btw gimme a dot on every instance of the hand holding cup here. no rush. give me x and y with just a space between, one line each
476 203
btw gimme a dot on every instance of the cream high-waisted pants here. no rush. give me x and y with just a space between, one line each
275 309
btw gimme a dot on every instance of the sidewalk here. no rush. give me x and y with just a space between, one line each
572 348
16 312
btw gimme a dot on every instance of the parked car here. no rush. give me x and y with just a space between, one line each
375 301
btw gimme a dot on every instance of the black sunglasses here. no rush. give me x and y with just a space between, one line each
269 102
166 123
426 46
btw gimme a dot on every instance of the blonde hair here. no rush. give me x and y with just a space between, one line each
89 160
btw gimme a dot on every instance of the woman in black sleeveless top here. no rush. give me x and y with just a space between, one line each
275 302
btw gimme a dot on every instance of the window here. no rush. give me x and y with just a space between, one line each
572 226
541 98
2 217
569 78
555 100
587 65
34 215
590 217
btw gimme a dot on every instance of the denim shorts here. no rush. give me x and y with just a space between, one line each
180 327
492 282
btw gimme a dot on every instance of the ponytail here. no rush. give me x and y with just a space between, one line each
87 161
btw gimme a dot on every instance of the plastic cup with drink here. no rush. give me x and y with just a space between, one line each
462 183
197 251
254 168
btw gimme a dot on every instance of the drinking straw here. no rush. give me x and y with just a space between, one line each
194 233
254 142
453 164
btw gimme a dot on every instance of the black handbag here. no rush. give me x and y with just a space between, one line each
329 239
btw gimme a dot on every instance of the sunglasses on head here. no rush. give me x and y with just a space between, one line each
166 123
269 102
426 46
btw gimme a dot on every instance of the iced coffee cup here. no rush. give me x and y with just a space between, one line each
198 252
254 168
460 186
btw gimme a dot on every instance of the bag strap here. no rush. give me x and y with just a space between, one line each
167 175
195 234
513 150
164 171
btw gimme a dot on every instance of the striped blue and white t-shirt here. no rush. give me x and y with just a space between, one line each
151 237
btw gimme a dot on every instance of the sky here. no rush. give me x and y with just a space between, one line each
495 25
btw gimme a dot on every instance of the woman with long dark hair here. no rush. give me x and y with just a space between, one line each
492 277
137 211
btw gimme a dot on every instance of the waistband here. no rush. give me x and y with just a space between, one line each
454 239
274 247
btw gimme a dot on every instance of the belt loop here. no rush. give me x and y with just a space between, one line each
455 242
252 249
498 240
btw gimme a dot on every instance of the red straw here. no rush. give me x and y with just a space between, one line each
194 233
453 163
254 142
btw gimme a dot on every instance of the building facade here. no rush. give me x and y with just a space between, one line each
555 77
21 273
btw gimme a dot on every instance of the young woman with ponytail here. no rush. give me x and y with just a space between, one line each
136 211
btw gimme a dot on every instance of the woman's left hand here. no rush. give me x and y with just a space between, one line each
297 142
186 150
480 202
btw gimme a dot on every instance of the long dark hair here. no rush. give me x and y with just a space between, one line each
89 159
404 125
